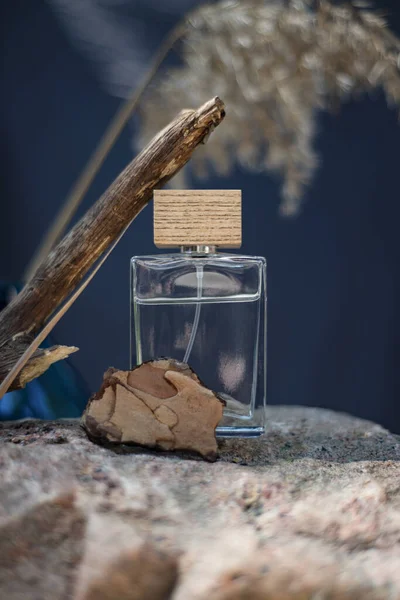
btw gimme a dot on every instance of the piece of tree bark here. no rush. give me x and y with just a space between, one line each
160 404
71 260
42 359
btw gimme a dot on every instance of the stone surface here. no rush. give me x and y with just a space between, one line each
311 510
135 574
159 404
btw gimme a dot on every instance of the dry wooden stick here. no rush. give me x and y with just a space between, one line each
70 261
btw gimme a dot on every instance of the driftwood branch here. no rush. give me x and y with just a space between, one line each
65 267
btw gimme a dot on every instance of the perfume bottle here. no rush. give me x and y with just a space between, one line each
204 307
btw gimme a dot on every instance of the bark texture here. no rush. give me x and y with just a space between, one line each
159 404
310 510
41 361
70 261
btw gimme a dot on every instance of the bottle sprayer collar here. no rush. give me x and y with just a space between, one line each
199 250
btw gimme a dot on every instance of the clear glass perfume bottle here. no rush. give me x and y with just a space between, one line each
204 307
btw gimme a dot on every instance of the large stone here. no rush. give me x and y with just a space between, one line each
310 510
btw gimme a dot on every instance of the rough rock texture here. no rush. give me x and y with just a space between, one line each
159 404
311 510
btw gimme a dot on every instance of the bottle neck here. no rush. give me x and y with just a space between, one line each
198 250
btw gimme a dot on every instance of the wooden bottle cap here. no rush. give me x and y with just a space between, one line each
198 218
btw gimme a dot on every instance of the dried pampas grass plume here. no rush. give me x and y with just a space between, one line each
275 63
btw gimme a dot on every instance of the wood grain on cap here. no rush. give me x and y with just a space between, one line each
198 217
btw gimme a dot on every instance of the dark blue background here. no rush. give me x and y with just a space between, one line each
333 272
